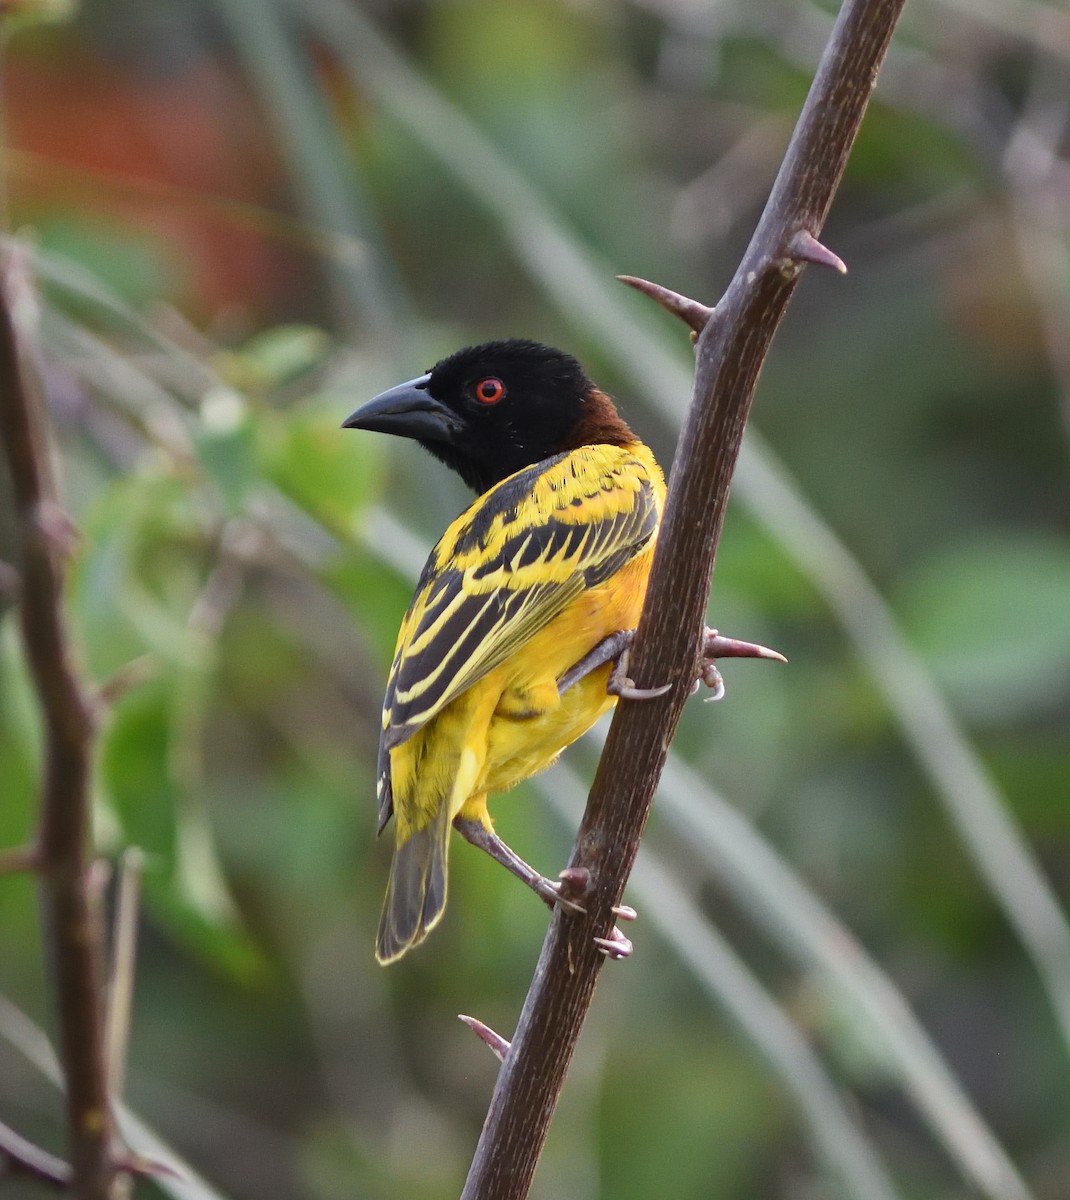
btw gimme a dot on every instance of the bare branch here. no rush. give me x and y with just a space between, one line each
730 352
63 839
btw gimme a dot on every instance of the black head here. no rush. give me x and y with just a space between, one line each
490 410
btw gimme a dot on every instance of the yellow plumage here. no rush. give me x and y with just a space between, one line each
534 575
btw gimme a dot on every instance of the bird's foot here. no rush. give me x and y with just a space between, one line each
616 946
565 893
608 650
614 649
620 683
555 893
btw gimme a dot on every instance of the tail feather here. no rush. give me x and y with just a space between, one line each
416 892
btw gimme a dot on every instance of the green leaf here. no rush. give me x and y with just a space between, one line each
225 442
223 945
329 473
133 586
274 357
132 263
135 775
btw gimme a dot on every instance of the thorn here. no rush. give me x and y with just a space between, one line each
624 912
497 1045
806 248
691 312
575 883
714 645
151 1168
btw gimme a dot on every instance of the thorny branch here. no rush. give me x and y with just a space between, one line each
731 346
61 853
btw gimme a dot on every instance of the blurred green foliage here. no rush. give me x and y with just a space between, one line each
241 562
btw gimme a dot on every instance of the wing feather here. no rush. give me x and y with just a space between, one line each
504 569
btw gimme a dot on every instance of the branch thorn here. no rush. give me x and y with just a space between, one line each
804 247
149 1168
716 645
498 1046
691 312
575 882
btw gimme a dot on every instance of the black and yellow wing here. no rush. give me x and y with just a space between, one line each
505 568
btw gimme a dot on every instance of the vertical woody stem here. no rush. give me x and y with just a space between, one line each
729 354
61 855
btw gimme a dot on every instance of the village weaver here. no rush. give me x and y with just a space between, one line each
516 640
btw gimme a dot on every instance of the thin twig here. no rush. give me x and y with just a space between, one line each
150 1153
730 352
123 960
63 837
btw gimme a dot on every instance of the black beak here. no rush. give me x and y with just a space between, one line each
407 410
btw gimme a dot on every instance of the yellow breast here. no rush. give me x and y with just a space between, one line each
521 746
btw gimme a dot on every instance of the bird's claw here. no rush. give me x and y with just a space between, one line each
616 647
624 912
622 685
616 946
554 895
713 679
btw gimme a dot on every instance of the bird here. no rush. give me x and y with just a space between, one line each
516 639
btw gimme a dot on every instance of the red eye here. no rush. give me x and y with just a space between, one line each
490 390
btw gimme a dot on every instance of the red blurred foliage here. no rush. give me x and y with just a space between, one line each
179 154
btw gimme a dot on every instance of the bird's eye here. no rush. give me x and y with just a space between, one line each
489 390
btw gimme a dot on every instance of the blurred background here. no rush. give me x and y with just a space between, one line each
245 217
